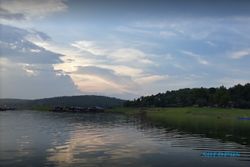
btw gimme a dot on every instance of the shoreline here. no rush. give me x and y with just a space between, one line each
213 122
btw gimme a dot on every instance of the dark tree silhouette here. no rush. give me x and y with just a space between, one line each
237 96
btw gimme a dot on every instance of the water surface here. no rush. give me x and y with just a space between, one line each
35 138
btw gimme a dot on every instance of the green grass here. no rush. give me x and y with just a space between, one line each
201 118
214 122
125 110
41 108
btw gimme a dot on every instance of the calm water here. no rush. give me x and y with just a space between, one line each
33 138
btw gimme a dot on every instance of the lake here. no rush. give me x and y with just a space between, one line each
40 138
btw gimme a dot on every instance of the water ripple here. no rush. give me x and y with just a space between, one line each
65 139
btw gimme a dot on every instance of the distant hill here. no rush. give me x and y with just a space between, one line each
65 101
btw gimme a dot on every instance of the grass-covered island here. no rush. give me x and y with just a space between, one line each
216 112
223 123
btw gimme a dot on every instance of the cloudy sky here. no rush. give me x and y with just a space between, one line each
121 48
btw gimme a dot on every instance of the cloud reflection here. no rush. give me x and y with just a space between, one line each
101 145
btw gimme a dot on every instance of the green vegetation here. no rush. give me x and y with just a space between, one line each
237 97
214 115
41 108
125 110
213 122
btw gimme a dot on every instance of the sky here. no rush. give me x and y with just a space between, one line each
123 49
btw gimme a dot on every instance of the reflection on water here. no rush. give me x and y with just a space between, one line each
33 138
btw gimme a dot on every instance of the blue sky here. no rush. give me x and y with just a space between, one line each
124 49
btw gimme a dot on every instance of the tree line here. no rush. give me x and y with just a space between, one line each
237 96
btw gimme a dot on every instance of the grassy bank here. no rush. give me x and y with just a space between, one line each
214 122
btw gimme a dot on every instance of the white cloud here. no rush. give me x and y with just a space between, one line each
89 46
124 70
167 34
181 27
199 28
117 55
151 79
29 69
179 66
17 48
102 79
128 29
197 57
210 43
116 72
73 58
131 55
163 33
19 80
35 50
240 54
32 8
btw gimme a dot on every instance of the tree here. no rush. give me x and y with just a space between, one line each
237 96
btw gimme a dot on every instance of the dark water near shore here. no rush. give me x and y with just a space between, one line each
34 138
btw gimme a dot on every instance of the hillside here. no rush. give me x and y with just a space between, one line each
65 101
237 96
